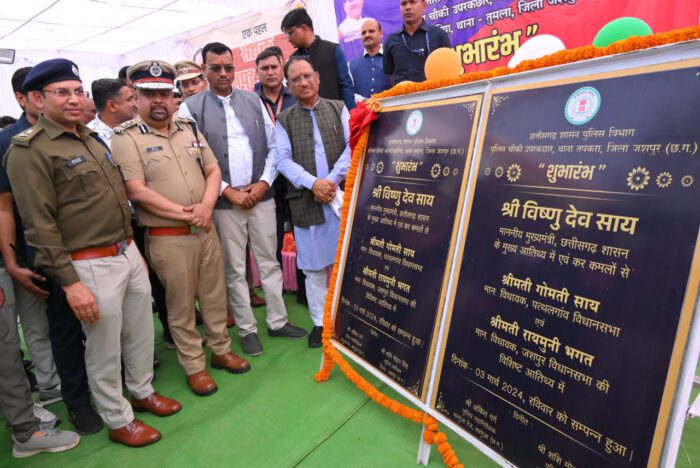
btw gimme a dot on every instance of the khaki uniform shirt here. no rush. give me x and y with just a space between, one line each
170 163
69 192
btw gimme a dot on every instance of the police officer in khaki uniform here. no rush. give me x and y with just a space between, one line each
189 78
174 178
76 214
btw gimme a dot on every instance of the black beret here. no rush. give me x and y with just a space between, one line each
50 71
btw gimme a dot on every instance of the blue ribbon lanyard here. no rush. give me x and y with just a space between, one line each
427 42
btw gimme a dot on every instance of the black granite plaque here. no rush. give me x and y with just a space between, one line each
571 294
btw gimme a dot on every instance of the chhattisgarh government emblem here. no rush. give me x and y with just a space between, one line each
582 105
414 122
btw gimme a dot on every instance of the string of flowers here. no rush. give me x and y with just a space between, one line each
360 134
558 58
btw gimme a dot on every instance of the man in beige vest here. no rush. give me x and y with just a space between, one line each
174 178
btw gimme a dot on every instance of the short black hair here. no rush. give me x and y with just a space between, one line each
105 89
18 78
296 58
295 18
122 72
6 121
272 51
215 48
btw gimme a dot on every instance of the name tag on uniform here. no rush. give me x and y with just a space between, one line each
153 149
198 144
75 161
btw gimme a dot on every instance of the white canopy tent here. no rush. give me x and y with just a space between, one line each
101 36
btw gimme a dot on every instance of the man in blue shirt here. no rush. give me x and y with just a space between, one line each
405 50
327 57
368 70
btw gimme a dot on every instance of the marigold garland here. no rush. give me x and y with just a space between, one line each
432 435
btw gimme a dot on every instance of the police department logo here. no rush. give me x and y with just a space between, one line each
582 105
414 122
155 69
74 69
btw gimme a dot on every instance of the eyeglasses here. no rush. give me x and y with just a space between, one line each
65 93
297 79
217 68
290 31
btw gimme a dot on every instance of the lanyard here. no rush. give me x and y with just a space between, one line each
427 42
273 115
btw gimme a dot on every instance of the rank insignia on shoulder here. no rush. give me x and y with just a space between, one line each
75 161
153 149
119 129
23 138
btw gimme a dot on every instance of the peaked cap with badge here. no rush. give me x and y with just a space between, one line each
50 71
186 70
152 74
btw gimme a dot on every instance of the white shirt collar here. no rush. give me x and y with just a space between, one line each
225 99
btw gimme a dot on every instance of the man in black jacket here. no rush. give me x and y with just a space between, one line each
327 57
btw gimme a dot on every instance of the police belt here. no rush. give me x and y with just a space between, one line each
100 252
171 231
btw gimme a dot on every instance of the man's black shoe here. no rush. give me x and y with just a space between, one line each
251 345
315 337
288 330
85 420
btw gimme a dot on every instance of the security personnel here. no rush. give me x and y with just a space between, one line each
173 176
189 78
76 214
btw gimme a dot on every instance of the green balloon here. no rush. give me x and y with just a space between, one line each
619 29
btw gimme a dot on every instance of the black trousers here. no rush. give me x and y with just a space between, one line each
67 344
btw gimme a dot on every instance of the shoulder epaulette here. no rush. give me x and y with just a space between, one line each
186 120
23 138
121 127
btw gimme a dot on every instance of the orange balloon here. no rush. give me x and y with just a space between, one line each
443 63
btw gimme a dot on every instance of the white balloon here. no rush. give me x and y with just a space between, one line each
537 47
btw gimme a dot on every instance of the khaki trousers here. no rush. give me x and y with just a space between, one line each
235 227
35 328
192 266
123 332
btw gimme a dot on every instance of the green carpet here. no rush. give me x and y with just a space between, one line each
276 415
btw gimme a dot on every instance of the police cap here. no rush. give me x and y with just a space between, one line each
186 70
152 74
50 71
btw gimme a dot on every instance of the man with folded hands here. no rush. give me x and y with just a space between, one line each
173 176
